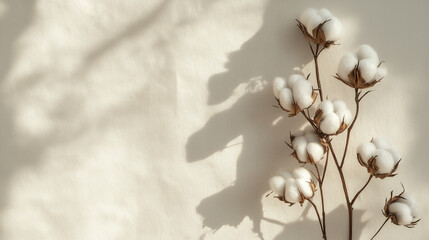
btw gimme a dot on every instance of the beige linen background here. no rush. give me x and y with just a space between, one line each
154 120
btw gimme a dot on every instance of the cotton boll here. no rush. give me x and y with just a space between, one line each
381 73
325 13
307 14
301 173
409 200
313 22
395 154
384 161
332 29
381 143
293 79
366 150
291 191
287 175
278 84
299 140
345 115
402 212
301 152
277 184
302 91
368 69
316 150
339 105
326 106
312 137
286 98
305 188
330 123
365 51
346 65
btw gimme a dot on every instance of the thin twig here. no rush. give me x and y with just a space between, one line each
322 200
346 194
349 130
318 215
357 194
380 228
326 166
309 120
316 65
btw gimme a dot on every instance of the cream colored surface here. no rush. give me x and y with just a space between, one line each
154 119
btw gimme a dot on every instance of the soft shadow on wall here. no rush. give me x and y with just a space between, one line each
275 50
14 21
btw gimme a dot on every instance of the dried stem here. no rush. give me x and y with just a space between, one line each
380 228
320 179
346 194
318 216
322 199
361 190
316 54
349 130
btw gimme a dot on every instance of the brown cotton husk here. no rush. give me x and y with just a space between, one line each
310 158
355 79
319 36
318 118
302 198
372 167
295 109
391 215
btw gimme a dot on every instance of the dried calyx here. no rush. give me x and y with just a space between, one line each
332 117
361 69
401 209
294 94
379 158
307 146
293 187
320 26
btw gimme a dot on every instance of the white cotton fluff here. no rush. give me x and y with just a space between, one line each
278 84
347 63
332 29
345 115
339 105
307 14
304 187
325 13
301 152
286 98
316 150
312 137
381 143
302 91
287 175
299 140
366 150
330 123
381 73
277 184
384 161
293 78
291 191
326 107
395 154
402 212
368 69
365 51
312 18
313 22
301 173
409 200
